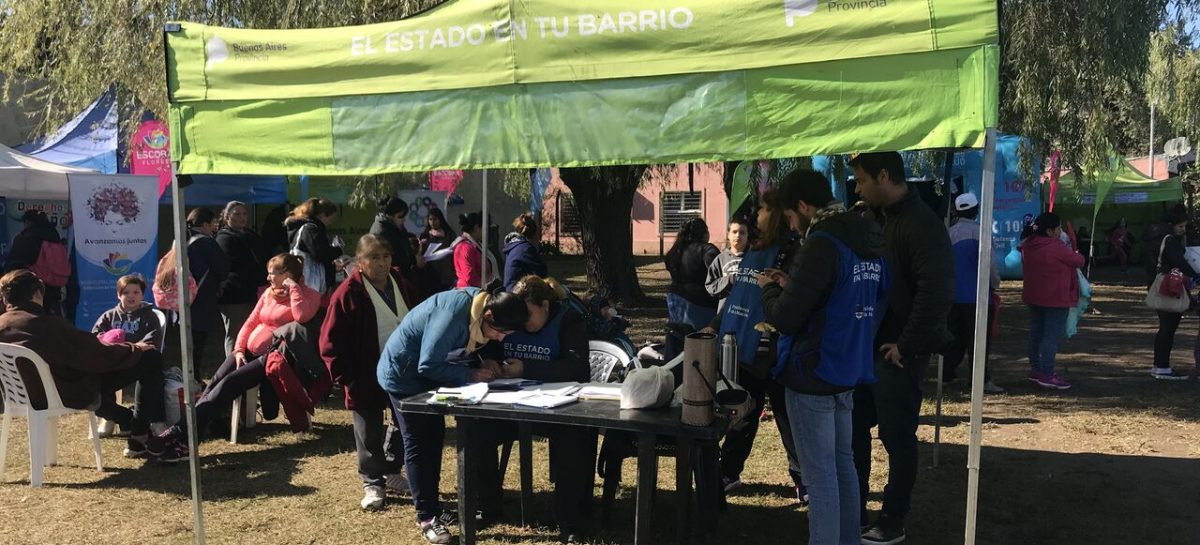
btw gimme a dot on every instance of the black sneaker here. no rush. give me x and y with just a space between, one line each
884 532
149 447
449 517
174 451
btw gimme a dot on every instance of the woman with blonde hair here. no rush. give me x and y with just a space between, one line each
308 227
286 300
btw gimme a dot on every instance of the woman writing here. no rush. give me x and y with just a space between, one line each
552 346
417 358
1051 288
286 300
363 312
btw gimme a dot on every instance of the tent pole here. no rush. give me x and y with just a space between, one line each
483 256
948 191
185 351
982 296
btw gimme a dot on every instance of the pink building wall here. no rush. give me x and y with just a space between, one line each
1142 164
707 179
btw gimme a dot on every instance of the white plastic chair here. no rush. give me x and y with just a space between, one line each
604 357
43 424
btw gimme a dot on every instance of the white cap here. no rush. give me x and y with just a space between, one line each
966 201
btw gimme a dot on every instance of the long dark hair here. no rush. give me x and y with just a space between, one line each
692 231
777 230
437 212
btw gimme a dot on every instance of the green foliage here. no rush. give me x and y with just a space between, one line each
1173 80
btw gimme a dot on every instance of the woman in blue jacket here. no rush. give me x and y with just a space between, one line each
551 347
416 359
522 256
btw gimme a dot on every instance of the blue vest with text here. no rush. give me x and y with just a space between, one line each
540 346
743 309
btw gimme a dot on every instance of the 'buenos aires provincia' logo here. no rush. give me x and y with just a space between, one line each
793 9
217 51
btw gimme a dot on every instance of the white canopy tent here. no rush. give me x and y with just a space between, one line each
32 178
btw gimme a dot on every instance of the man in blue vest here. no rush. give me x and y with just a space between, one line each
827 309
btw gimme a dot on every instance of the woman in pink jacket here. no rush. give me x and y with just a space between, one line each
1051 288
286 300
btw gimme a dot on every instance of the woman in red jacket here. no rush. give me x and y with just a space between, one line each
468 253
363 312
286 300
1051 288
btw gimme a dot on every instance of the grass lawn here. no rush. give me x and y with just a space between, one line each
1115 460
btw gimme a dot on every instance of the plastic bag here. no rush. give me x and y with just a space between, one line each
173 394
1076 313
647 388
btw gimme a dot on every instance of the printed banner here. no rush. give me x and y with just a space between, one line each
1016 202
116 224
466 44
420 202
150 153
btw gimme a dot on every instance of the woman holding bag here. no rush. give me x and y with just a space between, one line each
1170 257
1051 289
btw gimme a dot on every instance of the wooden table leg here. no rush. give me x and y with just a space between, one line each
647 482
708 486
525 444
683 486
466 501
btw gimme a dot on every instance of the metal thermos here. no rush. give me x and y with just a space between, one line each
729 356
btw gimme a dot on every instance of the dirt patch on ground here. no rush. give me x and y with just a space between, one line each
1115 460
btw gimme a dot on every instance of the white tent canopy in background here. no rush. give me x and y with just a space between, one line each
32 178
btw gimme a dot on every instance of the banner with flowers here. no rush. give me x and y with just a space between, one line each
116 229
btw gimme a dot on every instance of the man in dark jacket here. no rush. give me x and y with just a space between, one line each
827 310
86 372
921 265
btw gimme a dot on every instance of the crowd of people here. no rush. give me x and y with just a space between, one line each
835 313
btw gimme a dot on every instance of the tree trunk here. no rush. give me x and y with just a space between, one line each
604 200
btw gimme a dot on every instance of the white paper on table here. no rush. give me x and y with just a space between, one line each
471 394
507 397
600 391
515 382
554 388
546 401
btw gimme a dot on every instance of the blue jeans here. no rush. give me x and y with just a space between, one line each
821 425
424 436
682 311
1047 327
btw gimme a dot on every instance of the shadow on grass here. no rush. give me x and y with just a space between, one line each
234 475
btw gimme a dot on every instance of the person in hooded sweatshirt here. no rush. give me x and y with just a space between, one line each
248 255
389 225
724 269
827 307
431 348
308 231
551 347
522 257
132 315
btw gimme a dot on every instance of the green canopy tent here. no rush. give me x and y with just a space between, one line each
1121 187
501 84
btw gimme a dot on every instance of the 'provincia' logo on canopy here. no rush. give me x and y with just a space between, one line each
803 8
218 51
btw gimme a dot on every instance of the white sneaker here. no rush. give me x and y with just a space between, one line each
1166 373
990 387
435 532
372 498
397 485
106 428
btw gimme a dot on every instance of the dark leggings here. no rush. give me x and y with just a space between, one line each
424 437
228 384
151 405
1164 340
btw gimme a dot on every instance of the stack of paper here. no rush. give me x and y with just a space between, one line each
546 401
511 384
472 394
507 398
600 391
554 388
